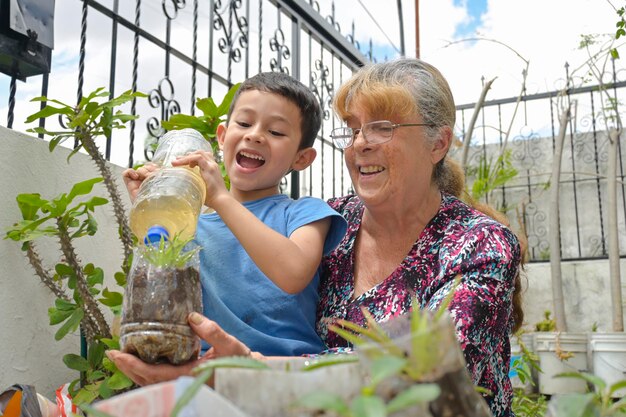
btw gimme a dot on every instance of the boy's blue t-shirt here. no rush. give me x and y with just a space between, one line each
242 300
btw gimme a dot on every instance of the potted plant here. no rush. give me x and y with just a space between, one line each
163 288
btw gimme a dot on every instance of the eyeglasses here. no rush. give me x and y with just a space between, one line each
373 132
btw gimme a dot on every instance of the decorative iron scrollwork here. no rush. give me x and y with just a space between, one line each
278 45
322 88
227 43
163 98
174 6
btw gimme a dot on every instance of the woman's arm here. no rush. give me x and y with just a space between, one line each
223 344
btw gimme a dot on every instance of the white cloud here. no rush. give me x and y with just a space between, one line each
546 33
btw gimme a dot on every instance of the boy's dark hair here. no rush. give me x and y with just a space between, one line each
293 90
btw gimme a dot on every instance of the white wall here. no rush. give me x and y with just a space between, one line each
28 352
586 291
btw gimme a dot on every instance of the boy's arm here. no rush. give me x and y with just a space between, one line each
290 262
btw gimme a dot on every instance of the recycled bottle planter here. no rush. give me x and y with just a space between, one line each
272 392
437 358
158 299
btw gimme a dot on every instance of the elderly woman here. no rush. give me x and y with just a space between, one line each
408 235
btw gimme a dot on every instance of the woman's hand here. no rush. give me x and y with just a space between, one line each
134 177
210 171
223 344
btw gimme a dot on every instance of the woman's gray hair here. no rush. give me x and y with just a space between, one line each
429 89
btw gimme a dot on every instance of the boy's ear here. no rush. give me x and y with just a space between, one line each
220 133
304 158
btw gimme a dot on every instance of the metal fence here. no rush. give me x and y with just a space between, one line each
527 126
177 51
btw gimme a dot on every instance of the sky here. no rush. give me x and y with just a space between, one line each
546 33
542 33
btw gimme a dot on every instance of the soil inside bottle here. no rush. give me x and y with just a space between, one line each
156 306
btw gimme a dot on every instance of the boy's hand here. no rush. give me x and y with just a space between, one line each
210 171
134 177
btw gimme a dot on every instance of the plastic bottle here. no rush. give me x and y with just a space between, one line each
157 300
169 202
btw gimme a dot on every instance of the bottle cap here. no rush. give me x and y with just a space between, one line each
155 234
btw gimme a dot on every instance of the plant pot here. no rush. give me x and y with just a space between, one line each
608 358
550 348
157 301
271 392
436 356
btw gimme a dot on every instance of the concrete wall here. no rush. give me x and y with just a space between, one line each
586 291
28 352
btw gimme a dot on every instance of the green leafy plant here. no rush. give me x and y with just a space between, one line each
173 253
388 358
79 287
490 175
207 123
368 402
527 404
548 324
599 402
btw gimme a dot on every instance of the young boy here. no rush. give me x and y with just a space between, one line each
260 249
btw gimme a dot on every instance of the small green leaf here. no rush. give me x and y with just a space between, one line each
64 270
385 367
226 102
415 394
322 400
120 278
76 362
86 395
58 316
95 277
119 381
207 106
70 325
95 354
47 112
111 298
64 305
368 406
111 343
29 205
616 387
83 187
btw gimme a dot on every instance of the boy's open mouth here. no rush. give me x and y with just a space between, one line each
249 160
